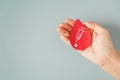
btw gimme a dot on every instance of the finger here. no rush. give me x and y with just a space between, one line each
95 27
63 31
65 39
66 26
91 31
70 22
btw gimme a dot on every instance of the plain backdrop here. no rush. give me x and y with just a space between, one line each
30 47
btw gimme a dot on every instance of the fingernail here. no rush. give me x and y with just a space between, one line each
86 22
58 29
60 24
61 37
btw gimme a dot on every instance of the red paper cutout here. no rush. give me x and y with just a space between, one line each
80 36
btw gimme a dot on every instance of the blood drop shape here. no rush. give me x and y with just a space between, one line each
80 36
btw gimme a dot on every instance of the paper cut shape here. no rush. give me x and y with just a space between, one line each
80 36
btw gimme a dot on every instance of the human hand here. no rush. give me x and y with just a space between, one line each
101 48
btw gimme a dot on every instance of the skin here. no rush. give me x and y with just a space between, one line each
101 50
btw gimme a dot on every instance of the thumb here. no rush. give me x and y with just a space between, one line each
95 27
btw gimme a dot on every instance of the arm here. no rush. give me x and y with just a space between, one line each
112 66
101 51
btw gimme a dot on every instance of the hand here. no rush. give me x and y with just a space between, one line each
101 48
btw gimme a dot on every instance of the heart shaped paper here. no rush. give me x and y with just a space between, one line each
80 36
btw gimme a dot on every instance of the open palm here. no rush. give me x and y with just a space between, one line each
101 46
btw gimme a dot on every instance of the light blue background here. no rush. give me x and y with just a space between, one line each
30 47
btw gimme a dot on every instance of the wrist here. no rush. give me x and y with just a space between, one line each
112 65
111 58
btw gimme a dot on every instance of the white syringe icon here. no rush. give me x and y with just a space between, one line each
79 35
